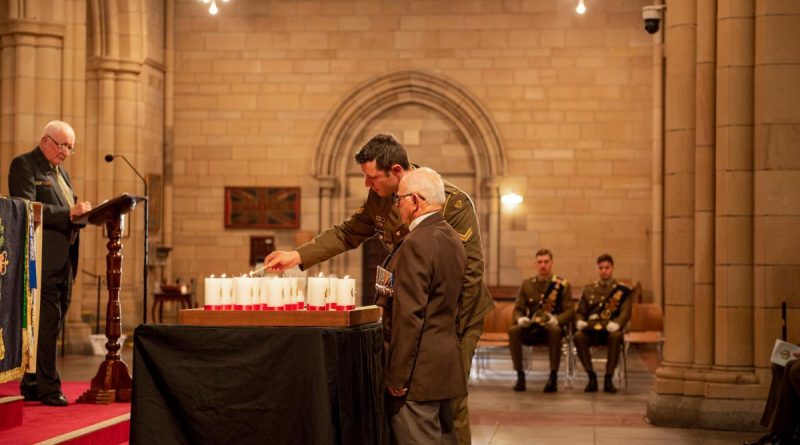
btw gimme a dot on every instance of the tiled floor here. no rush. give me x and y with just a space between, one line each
501 416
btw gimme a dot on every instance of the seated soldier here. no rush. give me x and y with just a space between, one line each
783 406
603 312
543 309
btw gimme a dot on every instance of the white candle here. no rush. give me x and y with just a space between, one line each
254 291
346 297
333 293
213 293
263 292
226 297
317 289
242 289
275 293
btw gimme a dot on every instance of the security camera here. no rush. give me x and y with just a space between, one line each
652 18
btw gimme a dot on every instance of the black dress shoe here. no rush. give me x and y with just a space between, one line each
608 384
55 399
29 394
766 439
520 385
592 385
552 382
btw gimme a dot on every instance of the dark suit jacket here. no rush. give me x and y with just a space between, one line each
33 178
422 349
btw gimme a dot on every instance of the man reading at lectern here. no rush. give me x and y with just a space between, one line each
40 176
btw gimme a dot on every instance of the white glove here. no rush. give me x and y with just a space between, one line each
551 320
524 321
612 326
581 325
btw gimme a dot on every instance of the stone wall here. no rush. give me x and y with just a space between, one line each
570 96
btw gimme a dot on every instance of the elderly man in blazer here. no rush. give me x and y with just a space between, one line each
40 176
423 363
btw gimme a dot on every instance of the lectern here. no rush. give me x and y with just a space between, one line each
112 383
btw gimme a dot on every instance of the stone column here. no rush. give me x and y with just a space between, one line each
42 80
114 126
680 29
492 259
704 198
734 203
31 54
776 271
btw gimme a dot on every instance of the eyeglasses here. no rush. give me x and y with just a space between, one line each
63 147
396 198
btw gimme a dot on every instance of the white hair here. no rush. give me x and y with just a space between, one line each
426 183
53 127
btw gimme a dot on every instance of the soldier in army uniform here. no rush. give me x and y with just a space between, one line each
542 312
603 312
384 162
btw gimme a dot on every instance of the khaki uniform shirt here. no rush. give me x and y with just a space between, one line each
531 293
378 216
596 294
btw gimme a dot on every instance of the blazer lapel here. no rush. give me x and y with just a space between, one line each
49 171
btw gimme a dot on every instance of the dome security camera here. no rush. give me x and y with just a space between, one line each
652 18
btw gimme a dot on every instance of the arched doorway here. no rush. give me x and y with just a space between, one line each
442 125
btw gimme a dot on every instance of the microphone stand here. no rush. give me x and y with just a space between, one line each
146 232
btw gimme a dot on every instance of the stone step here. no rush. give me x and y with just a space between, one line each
11 411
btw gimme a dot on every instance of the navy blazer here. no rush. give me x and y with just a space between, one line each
33 178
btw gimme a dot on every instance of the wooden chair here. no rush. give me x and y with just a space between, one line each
646 326
495 334
182 295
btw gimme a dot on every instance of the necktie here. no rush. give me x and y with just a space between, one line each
66 191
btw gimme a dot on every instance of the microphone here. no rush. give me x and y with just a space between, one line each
109 158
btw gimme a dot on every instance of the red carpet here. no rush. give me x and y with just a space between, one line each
41 422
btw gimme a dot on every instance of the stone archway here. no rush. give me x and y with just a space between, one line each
376 96
412 86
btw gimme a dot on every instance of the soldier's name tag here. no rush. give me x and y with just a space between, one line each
42 184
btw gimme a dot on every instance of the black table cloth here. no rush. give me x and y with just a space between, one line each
266 385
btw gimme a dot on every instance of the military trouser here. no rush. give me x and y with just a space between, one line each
469 341
533 335
584 339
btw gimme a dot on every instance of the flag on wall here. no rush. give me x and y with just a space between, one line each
15 226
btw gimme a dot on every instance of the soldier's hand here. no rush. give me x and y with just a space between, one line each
280 260
79 209
581 325
552 320
524 321
612 326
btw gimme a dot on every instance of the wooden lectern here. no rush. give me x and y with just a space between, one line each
112 383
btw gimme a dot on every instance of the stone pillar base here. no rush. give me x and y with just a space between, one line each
700 412
76 338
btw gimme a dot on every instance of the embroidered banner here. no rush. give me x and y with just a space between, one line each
14 242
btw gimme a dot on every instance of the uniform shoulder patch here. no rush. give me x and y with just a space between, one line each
466 235
459 203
